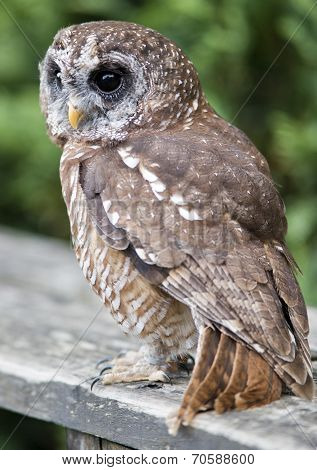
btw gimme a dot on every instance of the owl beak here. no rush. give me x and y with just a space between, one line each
74 116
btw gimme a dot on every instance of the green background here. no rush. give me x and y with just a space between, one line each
235 45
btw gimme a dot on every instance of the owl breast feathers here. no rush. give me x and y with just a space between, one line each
175 220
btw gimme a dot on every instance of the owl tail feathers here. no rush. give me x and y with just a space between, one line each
298 375
226 376
306 391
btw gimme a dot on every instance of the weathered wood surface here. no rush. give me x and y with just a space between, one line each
77 440
54 330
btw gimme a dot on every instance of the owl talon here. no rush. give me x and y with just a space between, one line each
94 379
97 378
184 367
103 360
105 368
87 380
93 383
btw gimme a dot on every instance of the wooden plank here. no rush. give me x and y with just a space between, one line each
108 445
54 330
77 440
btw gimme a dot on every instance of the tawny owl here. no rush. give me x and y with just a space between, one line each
175 220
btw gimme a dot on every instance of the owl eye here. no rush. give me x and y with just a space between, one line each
58 79
55 75
107 81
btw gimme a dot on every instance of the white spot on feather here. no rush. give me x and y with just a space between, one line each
158 195
140 252
152 257
147 174
158 186
131 162
113 217
178 198
124 151
128 159
106 204
189 214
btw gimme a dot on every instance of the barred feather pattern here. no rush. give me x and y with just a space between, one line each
140 309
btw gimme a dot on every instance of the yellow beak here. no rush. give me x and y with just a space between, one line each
74 116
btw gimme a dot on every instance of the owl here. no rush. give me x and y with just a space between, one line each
175 220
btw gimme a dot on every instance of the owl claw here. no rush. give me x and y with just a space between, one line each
95 378
87 380
105 368
184 367
93 383
103 360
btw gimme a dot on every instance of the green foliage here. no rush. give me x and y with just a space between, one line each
231 42
30 433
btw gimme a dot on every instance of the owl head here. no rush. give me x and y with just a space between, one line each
103 80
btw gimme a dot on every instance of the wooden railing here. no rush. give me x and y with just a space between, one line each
53 332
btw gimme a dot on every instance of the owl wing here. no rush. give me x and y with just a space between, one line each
201 217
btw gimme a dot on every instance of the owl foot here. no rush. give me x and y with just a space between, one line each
135 366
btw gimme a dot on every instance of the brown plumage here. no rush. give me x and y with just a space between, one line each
227 376
175 220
